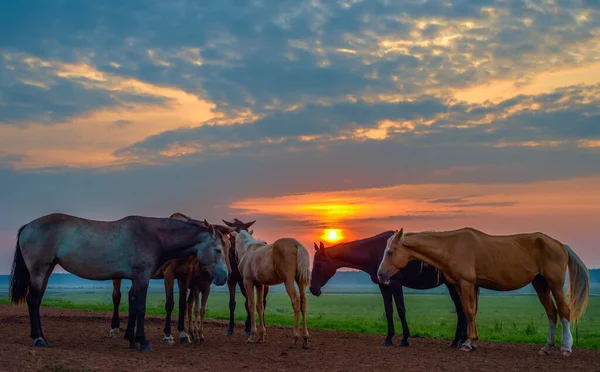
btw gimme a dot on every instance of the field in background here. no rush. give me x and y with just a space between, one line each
516 317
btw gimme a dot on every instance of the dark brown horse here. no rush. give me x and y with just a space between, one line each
235 278
365 255
181 269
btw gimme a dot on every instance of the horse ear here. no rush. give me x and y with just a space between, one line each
251 232
227 223
316 248
248 224
321 245
398 235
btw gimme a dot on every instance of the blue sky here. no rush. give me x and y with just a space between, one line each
305 115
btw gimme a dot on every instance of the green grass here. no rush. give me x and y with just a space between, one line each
500 318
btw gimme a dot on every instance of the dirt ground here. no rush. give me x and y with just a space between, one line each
80 342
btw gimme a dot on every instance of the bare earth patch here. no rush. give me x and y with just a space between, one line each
80 342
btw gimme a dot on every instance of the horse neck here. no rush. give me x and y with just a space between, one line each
179 239
354 256
242 249
426 248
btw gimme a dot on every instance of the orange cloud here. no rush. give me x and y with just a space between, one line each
565 209
540 83
90 139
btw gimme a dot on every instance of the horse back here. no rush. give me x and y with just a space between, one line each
88 248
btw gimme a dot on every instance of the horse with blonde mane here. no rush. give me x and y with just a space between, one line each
473 259
261 264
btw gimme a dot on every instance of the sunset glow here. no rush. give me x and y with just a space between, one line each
330 121
332 235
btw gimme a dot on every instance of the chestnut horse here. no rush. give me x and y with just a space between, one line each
181 269
235 278
199 283
261 264
365 254
473 259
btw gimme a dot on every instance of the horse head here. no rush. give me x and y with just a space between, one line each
323 269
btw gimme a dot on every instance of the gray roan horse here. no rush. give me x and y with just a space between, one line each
132 248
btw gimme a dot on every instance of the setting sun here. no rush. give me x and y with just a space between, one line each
332 235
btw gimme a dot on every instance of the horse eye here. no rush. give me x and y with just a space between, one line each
390 253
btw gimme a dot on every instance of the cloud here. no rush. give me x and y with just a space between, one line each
112 108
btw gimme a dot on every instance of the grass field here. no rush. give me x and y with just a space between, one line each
501 318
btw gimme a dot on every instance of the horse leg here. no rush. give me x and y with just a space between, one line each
130 331
37 286
542 288
476 296
461 323
191 327
231 285
250 307
564 313
266 291
260 307
205 294
386 293
183 284
116 298
303 308
467 294
399 298
295 298
169 305
141 291
247 323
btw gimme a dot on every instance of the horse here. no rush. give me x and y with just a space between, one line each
181 269
132 248
473 259
261 264
235 278
365 255
200 283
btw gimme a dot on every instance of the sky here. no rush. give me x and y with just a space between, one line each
361 116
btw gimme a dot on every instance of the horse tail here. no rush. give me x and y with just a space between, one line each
303 270
19 276
579 284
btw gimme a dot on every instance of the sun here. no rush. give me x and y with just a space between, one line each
332 235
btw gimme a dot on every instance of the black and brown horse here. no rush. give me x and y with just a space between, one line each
235 279
365 255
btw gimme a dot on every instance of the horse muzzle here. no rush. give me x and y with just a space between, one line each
384 278
315 292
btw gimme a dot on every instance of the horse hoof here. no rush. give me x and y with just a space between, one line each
403 343
453 345
248 333
133 346
40 342
114 333
184 340
566 354
229 332
145 347
543 352
386 342
305 342
465 348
